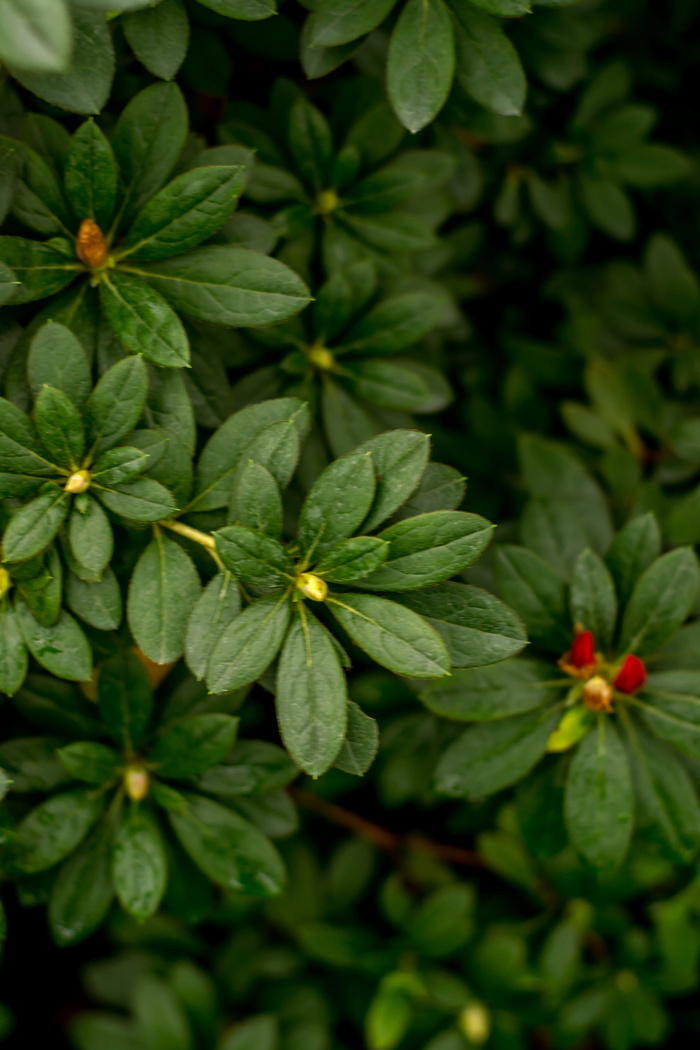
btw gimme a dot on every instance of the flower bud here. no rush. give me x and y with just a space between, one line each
90 245
582 652
78 482
326 202
475 1023
312 587
136 781
5 582
321 357
632 675
598 694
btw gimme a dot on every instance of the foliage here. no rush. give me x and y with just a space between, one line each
298 297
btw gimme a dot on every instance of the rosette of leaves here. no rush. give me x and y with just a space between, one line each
74 476
140 805
583 179
352 190
115 226
340 356
622 728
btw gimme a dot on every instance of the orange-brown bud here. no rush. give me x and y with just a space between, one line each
598 694
136 782
91 245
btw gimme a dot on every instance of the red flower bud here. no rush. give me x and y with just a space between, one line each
632 675
582 652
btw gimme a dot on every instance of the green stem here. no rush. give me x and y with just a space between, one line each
202 538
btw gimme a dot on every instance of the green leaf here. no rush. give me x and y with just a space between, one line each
506 689
82 891
124 464
53 829
608 206
632 551
429 548
667 805
159 36
258 500
394 636
255 767
651 164
85 87
13 652
254 557
147 142
186 212
670 706
662 598
219 603
253 1033
337 504
35 35
335 22
90 176
139 862
90 536
231 443
56 358
352 559
38 201
34 526
229 286
247 647
421 62
62 649
41 269
115 405
599 801
394 324
227 848
593 601
94 763
537 593
140 500
60 427
310 144
8 283
20 449
399 458
144 321
125 700
9 157
163 588
247 10
361 742
194 745
477 627
311 698
488 67
32 764
97 602
495 755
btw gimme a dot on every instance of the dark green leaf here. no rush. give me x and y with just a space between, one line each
90 536
194 745
41 269
53 830
13 652
352 559
254 557
33 527
393 325
91 176
159 36
593 601
143 320
488 67
35 35
537 593
125 700
599 801
493 693
662 598
421 62
163 588
97 602
394 636
229 286
218 605
227 848
60 427
632 551
494 755
477 628
337 504
62 649
124 464
247 647
82 891
140 500
399 458
311 696
57 358
361 742
94 763
339 21
139 862
114 406
258 500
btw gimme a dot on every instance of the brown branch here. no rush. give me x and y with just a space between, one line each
386 840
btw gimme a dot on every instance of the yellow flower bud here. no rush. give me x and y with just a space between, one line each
321 357
90 245
5 582
312 587
598 694
78 482
475 1023
326 202
136 781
